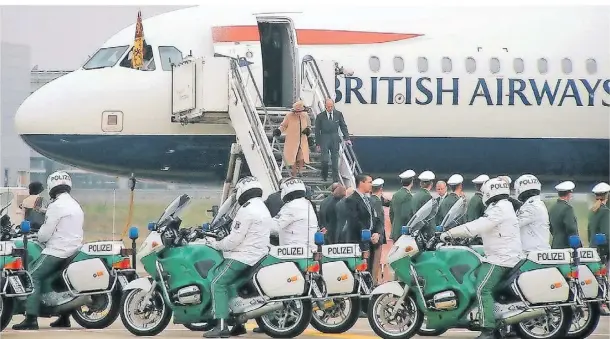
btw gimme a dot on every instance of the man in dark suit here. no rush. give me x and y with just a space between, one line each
328 213
328 139
360 212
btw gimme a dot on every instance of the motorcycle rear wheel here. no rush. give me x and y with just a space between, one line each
352 316
593 313
560 328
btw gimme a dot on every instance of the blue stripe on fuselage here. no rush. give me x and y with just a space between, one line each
200 158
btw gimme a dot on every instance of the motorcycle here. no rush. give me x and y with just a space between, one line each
89 284
276 291
437 281
15 280
344 268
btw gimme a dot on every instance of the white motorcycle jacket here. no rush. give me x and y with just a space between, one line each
499 230
534 223
296 224
248 241
62 231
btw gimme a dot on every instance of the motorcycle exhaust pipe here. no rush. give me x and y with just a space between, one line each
260 312
525 315
73 304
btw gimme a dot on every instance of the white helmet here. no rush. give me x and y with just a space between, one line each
527 182
246 184
292 185
58 178
493 188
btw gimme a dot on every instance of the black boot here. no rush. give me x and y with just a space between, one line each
30 323
257 330
221 330
487 334
237 330
62 322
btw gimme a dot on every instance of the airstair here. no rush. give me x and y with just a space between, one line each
195 101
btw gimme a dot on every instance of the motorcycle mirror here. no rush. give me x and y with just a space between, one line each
205 227
151 226
404 230
365 235
574 241
25 226
133 233
318 238
439 228
600 239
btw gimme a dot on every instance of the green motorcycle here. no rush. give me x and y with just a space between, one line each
276 291
437 281
347 281
15 280
88 286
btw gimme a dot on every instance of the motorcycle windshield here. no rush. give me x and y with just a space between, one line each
174 208
423 215
453 217
225 208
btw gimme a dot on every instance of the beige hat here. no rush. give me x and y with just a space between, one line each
298 106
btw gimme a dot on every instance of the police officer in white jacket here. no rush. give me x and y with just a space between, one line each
62 236
533 215
247 243
499 230
296 223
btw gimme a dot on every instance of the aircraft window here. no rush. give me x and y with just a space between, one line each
112 121
422 64
471 65
494 65
518 65
149 60
447 66
105 57
591 66
374 64
399 64
566 66
169 55
543 66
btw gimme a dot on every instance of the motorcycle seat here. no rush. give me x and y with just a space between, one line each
66 262
249 272
510 276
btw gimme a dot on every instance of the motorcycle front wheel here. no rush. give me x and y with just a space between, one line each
585 320
151 320
404 324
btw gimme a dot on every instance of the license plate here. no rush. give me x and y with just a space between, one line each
16 284
123 281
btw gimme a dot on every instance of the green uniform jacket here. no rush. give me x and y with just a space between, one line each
445 206
377 204
420 198
400 211
476 208
563 223
599 222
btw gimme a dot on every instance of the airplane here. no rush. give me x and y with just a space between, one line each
454 90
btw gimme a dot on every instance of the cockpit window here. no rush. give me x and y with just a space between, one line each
169 55
149 60
105 57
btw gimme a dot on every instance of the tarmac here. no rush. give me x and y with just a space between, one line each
360 331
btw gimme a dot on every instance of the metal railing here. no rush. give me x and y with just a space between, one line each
254 119
311 76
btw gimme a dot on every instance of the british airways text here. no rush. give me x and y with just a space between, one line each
456 91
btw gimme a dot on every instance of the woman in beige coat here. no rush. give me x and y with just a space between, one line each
296 127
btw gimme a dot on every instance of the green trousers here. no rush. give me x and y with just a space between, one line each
489 276
225 274
40 269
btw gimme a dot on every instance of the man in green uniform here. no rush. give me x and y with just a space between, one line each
599 222
400 208
561 216
422 196
455 185
476 208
